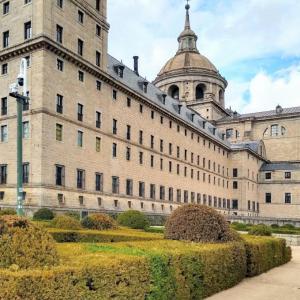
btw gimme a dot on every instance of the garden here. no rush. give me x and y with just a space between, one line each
98 257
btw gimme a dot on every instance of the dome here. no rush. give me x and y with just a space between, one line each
188 60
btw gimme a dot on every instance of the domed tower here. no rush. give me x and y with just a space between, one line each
192 79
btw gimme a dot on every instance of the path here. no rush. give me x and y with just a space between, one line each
278 284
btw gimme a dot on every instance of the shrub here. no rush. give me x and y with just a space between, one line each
25 244
288 226
43 214
99 222
133 219
261 230
197 223
7 211
65 222
240 226
73 214
274 225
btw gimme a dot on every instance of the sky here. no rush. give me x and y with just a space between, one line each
255 44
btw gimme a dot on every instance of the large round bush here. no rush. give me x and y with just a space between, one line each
198 223
7 212
65 222
133 219
260 230
25 244
43 214
99 222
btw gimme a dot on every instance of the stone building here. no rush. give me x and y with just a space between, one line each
99 137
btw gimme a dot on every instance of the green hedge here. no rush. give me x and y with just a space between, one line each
105 236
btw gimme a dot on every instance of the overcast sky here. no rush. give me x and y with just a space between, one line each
254 43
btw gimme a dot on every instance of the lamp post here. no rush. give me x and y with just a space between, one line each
21 98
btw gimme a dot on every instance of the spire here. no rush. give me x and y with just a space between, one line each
187 39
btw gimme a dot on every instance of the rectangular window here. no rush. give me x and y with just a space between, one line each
59 103
98 85
171 194
5 8
27 30
115 94
5 39
98 30
170 149
4 106
25 173
152 142
178 196
27 1
79 112
275 130
80 16
115 128
26 131
98 119
268 175
99 182
287 198
98 59
268 198
3 174
129 187
162 193
152 161
128 153
235 185
81 76
152 191
98 144
141 158
79 138
161 146
235 172
59 132
4 69
4 133
186 196
114 150
141 137
115 184
80 47
59 34
235 204
60 65
128 102
80 179
287 175
60 3
128 132
98 5
142 189
59 175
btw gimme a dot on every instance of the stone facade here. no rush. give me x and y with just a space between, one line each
100 138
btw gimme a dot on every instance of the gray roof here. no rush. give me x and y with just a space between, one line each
280 166
154 95
251 145
263 114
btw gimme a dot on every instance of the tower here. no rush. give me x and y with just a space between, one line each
192 79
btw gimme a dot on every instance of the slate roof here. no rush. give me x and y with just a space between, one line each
280 166
252 145
154 95
263 114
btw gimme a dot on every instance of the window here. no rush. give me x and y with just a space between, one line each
129 187
80 76
141 108
268 198
152 142
98 119
171 194
3 174
25 131
115 129
115 184
115 94
170 149
6 7
80 47
98 30
59 175
128 102
25 173
79 138
287 175
178 195
114 150
99 182
235 172
98 85
141 158
229 133
142 189
268 175
152 191
81 200
152 161
60 3
80 179
287 198
186 196
5 40
27 30
80 112
116 203
98 5
59 34
60 65
98 59
274 130
141 137
235 204
3 133
161 164
170 166
128 132
161 146
4 106
128 153
59 103
152 114
235 185
4 69
98 144
161 193
80 16
59 132
27 1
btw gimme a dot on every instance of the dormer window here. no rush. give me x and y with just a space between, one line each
179 108
144 85
119 69
203 124
164 96
192 117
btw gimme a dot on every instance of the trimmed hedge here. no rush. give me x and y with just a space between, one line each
8 212
65 222
103 236
43 214
260 230
133 219
99 222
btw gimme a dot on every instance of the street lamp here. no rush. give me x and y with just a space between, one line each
21 98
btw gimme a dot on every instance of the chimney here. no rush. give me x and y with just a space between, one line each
136 65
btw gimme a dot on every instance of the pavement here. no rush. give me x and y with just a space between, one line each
282 283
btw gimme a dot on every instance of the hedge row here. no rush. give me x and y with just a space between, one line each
144 270
105 236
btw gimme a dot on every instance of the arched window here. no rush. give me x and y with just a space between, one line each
174 91
266 132
200 91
